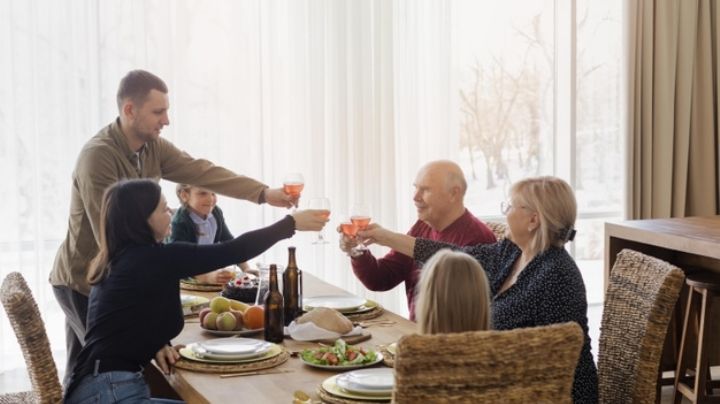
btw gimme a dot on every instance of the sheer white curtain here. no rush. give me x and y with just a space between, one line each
355 95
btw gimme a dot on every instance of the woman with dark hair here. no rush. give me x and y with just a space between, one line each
134 307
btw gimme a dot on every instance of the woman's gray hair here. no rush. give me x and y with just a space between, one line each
554 201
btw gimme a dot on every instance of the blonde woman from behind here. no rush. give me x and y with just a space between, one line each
454 295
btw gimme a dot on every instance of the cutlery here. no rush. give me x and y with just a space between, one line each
256 373
378 323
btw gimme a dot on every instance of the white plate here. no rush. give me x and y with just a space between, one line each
200 353
378 359
234 346
189 353
228 351
368 381
244 331
337 302
331 387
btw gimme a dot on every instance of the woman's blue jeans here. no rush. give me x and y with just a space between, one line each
113 387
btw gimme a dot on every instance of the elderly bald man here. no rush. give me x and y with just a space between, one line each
439 198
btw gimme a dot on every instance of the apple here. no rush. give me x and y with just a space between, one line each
225 321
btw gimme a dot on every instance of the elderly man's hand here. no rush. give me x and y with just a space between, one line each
348 243
278 197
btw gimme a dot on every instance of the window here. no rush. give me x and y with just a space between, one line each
539 88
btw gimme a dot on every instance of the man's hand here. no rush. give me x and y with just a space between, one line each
278 197
222 276
166 357
348 243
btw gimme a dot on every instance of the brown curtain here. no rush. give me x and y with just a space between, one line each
673 108
673 122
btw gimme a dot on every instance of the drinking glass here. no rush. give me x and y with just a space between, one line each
293 185
360 217
350 229
320 203
264 281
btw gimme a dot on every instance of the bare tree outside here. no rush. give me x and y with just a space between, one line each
507 66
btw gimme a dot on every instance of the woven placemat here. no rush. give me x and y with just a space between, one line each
197 287
374 313
326 397
188 364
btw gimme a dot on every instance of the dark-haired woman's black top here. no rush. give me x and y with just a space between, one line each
549 290
136 310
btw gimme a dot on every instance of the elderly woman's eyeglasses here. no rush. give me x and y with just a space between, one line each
505 207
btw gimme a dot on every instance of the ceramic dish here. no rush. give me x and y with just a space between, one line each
337 302
341 368
330 385
244 331
375 382
189 353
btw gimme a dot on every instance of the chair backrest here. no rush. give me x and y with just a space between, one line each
639 302
498 229
24 316
522 365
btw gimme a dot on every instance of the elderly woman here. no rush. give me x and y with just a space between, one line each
533 279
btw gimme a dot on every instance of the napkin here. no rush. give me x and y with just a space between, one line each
311 332
193 304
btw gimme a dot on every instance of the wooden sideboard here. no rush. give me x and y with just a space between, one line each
691 243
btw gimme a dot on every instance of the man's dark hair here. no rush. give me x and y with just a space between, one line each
136 85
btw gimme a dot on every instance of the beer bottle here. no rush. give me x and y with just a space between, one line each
274 330
292 288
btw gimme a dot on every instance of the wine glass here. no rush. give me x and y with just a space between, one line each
324 204
360 217
350 229
293 185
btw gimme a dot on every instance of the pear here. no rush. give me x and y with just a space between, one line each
219 304
225 321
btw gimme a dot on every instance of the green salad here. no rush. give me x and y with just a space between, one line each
340 354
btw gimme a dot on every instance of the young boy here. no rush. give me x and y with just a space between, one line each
199 220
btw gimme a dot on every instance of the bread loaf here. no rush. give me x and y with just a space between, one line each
328 319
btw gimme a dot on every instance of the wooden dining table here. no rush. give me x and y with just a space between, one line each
198 387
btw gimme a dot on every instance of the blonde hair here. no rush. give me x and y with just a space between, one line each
554 201
453 295
179 189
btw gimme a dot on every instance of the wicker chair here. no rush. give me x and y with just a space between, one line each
638 305
498 229
489 366
29 328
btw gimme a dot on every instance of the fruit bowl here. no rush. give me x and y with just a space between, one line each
244 331
227 317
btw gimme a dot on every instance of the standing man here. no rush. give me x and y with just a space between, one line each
439 192
130 147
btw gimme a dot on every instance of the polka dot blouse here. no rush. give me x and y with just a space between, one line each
549 290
